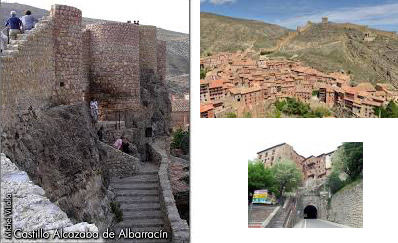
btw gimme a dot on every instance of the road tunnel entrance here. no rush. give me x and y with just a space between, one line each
310 212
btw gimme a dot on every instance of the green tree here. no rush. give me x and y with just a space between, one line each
247 115
203 73
180 140
287 176
259 177
230 115
390 111
347 162
353 160
334 182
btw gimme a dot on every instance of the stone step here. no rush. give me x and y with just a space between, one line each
142 214
10 52
139 186
140 223
149 172
138 199
136 179
17 42
22 36
12 47
133 192
134 207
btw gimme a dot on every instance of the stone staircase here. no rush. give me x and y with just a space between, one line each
139 200
258 214
280 217
15 45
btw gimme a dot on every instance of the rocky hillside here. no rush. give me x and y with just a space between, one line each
328 48
335 47
177 43
221 33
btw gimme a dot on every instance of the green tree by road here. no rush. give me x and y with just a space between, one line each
347 165
283 177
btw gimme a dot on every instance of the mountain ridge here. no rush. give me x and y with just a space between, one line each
367 54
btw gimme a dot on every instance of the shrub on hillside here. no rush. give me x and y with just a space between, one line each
230 115
180 140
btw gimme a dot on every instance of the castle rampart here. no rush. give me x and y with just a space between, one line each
115 72
28 74
59 62
148 49
161 56
67 35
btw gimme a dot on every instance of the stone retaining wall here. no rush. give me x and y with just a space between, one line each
30 206
118 163
178 227
346 206
27 77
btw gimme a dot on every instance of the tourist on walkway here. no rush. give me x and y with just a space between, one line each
126 145
15 25
28 21
94 110
119 142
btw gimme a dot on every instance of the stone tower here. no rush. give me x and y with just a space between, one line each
325 20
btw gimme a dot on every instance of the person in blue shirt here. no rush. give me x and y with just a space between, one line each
15 25
28 21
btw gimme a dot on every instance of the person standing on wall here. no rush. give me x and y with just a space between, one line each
28 21
15 25
94 110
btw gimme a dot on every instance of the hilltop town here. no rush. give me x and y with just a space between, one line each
295 66
240 83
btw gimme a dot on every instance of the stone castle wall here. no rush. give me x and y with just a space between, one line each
346 206
148 49
62 63
115 70
67 35
161 59
27 76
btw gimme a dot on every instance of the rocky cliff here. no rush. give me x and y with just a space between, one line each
59 151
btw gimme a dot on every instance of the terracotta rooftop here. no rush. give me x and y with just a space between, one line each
216 84
207 107
179 105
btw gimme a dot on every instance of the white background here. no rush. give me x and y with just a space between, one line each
220 149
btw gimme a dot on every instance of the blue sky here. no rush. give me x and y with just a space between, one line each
380 14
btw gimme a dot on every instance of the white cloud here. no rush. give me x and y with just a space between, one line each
218 2
386 14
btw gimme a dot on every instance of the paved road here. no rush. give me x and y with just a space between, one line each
317 223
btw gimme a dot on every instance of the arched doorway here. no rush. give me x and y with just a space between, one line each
310 212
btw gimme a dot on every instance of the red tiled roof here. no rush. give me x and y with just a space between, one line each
207 107
179 105
216 84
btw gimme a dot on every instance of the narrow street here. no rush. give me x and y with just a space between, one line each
317 223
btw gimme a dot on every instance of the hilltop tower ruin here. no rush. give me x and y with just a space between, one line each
325 20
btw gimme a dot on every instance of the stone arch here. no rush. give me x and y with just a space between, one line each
318 202
310 212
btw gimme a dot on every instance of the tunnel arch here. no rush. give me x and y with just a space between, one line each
310 212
